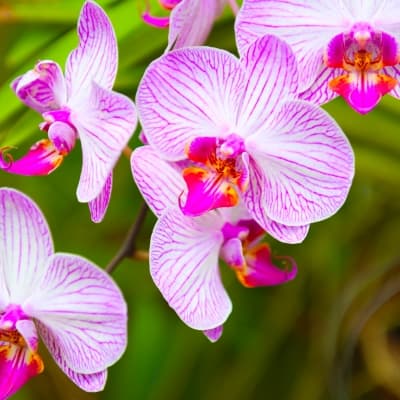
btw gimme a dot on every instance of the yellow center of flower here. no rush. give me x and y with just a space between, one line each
13 337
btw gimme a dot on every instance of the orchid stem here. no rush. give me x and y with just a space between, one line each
128 247
127 151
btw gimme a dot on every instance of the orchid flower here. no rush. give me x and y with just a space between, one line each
81 105
244 133
190 21
348 48
73 305
184 250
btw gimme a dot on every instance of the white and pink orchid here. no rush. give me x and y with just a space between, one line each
69 302
348 47
243 132
190 21
80 105
185 250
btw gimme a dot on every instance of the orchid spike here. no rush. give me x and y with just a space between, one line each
184 251
42 293
190 21
348 48
242 132
81 105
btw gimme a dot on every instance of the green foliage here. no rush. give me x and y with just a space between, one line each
292 342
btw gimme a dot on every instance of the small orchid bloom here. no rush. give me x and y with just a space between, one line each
184 250
348 48
81 105
242 132
190 21
73 305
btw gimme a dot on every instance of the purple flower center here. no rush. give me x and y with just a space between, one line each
217 173
362 53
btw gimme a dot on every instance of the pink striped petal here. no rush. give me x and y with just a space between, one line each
25 244
83 312
285 233
306 26
184 266
17 366
105 124
96 57
271 77
214 334
301 170
191 22
159 182
41 159
188 93
320 92
395 73
99 205
88 382
43 88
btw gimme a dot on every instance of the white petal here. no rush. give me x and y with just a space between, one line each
285 233
105 123
159 181
88 382
191 22
184 266
303 167
84 314
96 57
188 93
271 77
99 205
306 25
25 245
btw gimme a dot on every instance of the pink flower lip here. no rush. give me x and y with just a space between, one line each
217 174
362 54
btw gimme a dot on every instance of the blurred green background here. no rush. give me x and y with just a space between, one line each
333 333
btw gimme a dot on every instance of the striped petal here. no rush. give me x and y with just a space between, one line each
105 124
271 77
96 57
320 92
25 245
159 182
43 88
99 205
306 26
188 93
285 233
191 22
301 170
184 266
82 314
88 382
17 366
